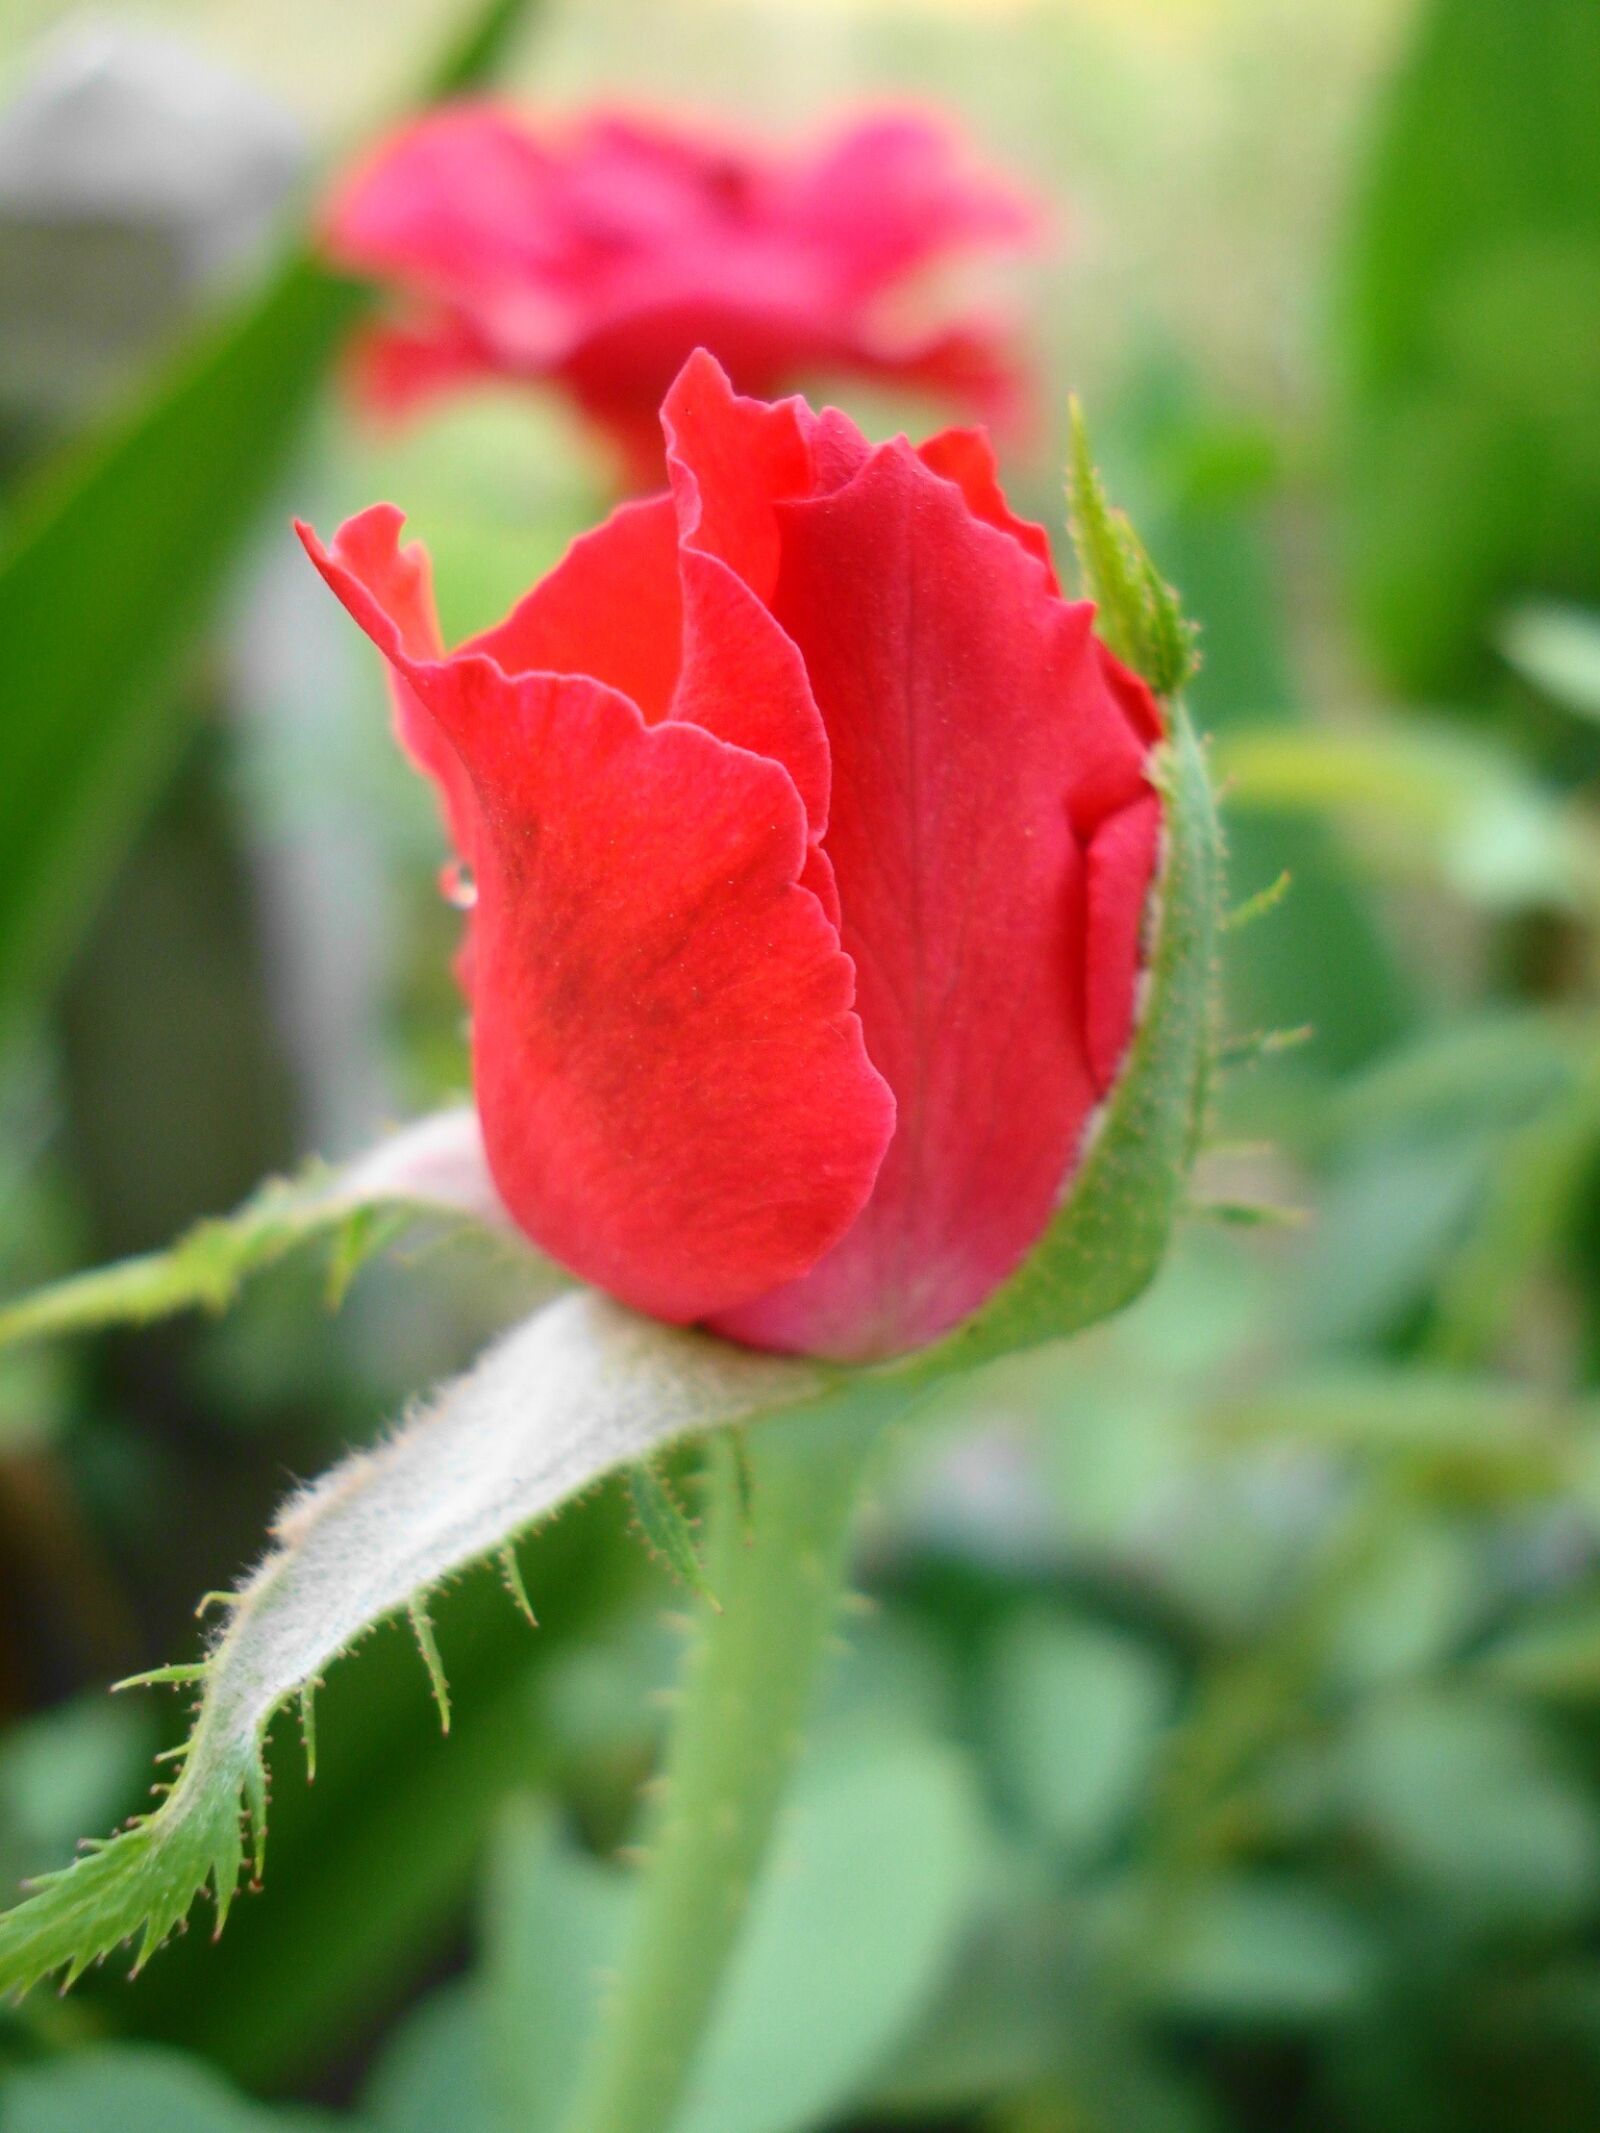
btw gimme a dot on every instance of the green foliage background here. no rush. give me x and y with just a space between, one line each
1220 1748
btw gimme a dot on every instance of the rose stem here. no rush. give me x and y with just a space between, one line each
776 1562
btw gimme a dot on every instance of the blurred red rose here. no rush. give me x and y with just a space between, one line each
812 833
599 257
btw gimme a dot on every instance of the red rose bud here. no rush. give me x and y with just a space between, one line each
812 832
599 257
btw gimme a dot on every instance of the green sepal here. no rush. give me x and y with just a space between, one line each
1138 613
665 1529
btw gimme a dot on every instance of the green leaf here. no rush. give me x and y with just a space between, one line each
1469 1798
1110 1234
581 1388
62 1770
432 1167
852 1926
1075 1711
115 559
1554 1653
850 1933
995 2026
1471 446
1538 1182
138 2089
102 583
1417 1602
1254 1950
554 1926
1490 1074
433 2072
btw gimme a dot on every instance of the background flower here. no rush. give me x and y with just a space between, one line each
597 253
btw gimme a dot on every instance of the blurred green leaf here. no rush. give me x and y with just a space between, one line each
995 2027
139 2089
1075 1710
112 563
1484 1073
102 583
1386 1225
1540 1178
555 1920
433 2071
850 1933
1259 1950
1491 1434
1553 1652
1421 1596
1468 1798
1471 445
62 1772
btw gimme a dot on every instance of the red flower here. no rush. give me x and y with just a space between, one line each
602 257
812 833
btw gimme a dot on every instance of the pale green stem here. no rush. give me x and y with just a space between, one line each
776 1562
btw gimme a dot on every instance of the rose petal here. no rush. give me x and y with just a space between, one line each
610 609
676 1099
966 457
961 697
744 680
731 461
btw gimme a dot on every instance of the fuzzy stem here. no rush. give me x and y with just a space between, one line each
776 1563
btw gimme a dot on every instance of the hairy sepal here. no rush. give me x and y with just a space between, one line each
1109 1235
579 1389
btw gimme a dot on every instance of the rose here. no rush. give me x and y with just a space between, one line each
601 256
812 834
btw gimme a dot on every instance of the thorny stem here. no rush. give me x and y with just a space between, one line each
776 1562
